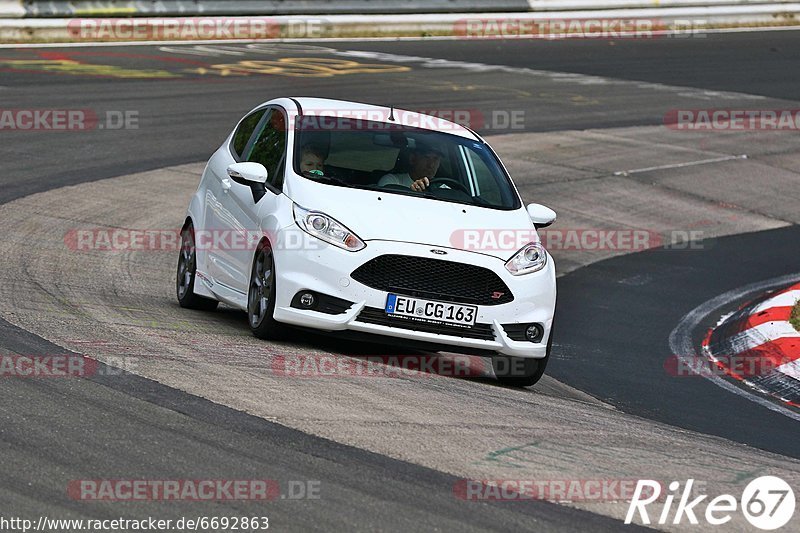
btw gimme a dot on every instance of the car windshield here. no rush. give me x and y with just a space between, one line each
389 158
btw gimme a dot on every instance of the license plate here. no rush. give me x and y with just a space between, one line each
431 310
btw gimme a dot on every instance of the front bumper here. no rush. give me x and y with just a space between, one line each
317 266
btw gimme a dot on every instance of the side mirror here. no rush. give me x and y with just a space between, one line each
248 173
541 216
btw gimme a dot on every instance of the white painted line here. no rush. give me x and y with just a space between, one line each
555 76
680 165
787 299
791 369
209 50
756 336
682 346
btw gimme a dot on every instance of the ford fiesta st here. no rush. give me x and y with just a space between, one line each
368 220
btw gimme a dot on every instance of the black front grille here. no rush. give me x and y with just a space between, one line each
373 315
332 306
435 279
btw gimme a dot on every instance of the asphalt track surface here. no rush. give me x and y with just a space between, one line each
651 292
614 317
57 431
754 64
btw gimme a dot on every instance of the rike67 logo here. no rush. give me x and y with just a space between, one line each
767 503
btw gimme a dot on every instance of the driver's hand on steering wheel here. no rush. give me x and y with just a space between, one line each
421 184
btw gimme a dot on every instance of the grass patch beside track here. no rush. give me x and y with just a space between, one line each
794 318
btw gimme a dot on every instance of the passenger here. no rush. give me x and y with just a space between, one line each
424 161
311 161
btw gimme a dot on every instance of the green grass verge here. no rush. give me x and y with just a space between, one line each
795 316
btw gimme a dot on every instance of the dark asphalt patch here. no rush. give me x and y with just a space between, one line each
122 426
613 334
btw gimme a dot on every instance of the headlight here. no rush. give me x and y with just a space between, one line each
327 229
531 258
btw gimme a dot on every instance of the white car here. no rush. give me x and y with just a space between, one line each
341 216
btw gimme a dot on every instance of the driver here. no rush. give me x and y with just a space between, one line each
424 161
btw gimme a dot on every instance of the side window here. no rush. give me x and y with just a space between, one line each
485 180
245 131
269 147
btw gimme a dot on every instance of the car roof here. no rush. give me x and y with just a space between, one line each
357 110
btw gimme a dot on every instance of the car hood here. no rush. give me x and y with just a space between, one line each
377 215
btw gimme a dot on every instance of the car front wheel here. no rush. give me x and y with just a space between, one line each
261 296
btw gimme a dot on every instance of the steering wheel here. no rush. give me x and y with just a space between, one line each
451 183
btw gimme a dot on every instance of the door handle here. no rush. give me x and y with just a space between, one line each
226 185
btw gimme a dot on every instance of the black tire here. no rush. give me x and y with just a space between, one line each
261 296
185 277
521 371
